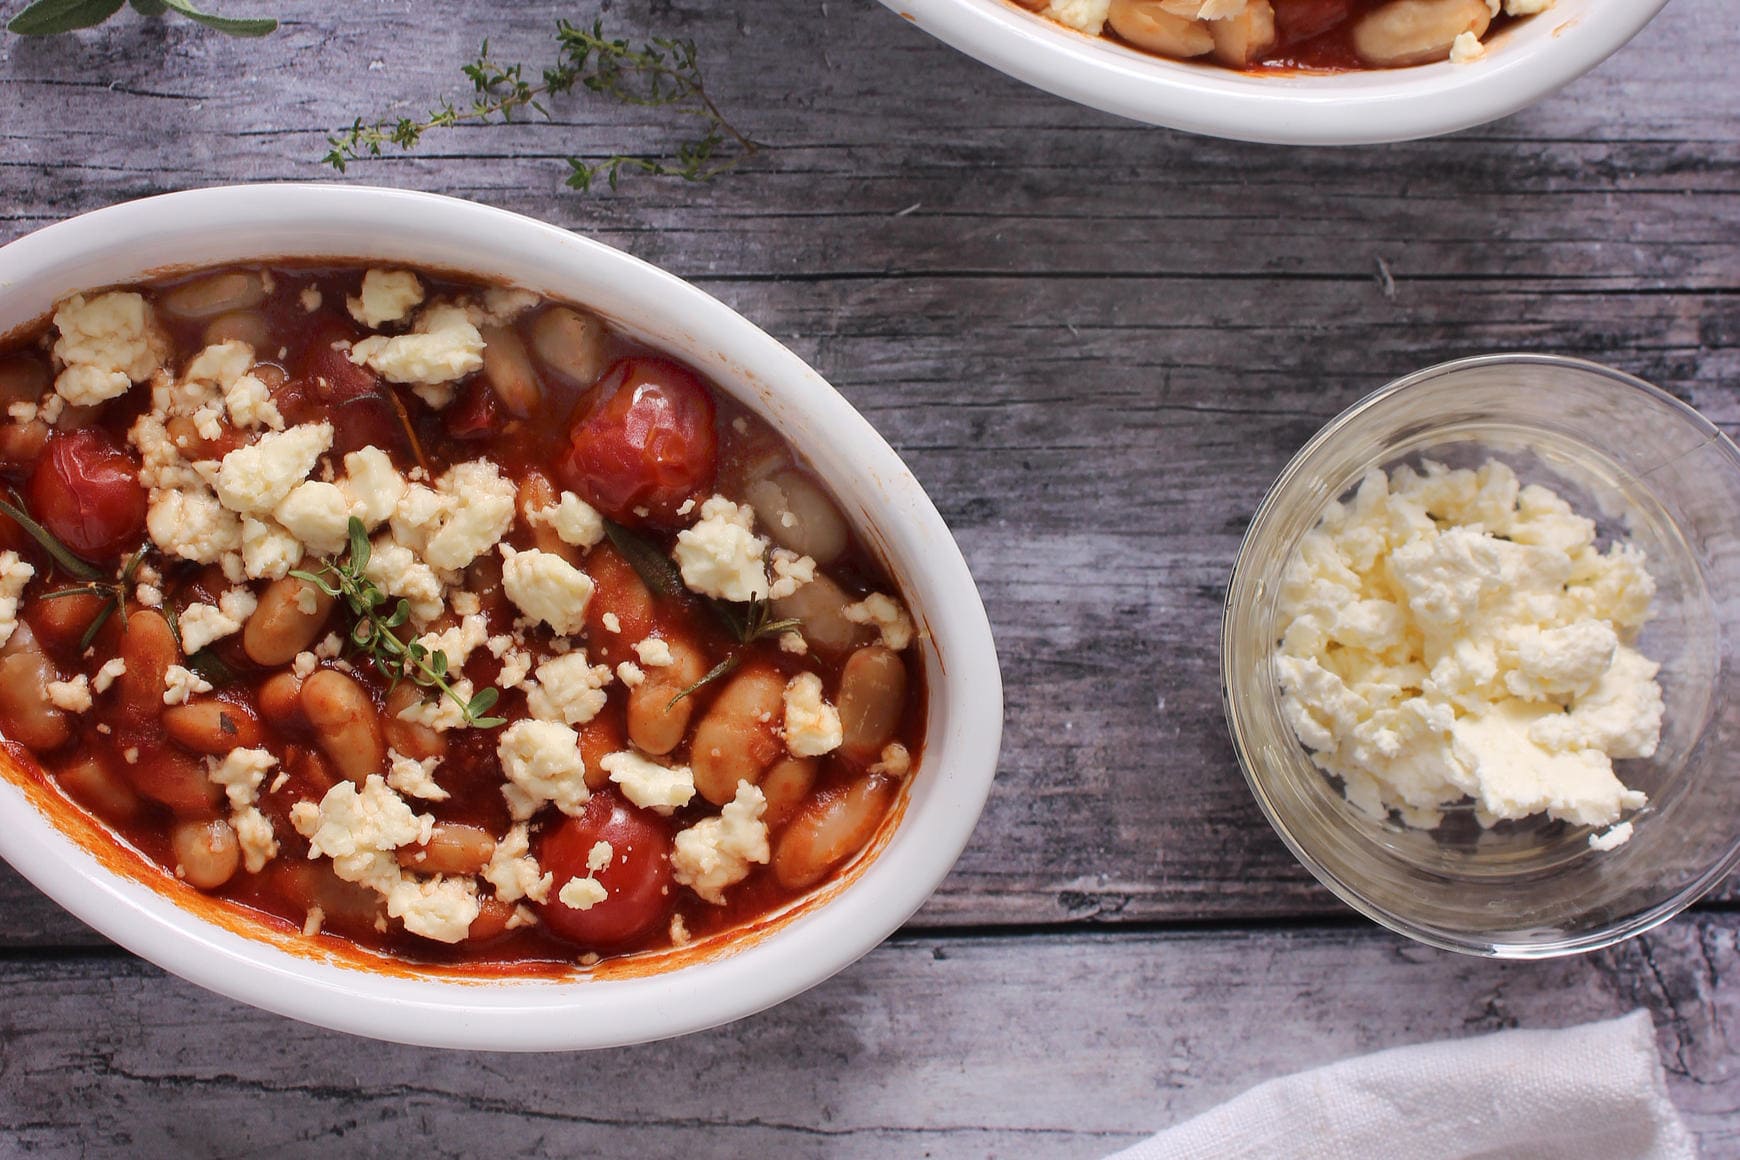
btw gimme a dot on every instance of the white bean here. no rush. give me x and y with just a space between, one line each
247 326
25 714
738 737
785 787
1242 40
1405 32
832 828
1147 25
509 370
89 779
872 697
350 730
654 724
214 294
452 848
799 516
289 616
206 853
819 605
212 726
570 344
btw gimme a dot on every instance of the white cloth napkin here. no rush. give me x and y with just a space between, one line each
1590 1091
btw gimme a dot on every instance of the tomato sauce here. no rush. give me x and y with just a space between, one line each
644 440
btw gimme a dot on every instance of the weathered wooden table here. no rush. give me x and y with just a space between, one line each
1096 344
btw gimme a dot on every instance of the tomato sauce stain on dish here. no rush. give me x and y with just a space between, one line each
435 621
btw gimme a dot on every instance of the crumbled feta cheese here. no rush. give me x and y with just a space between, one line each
360 830
1451 635
14 575
439 711
1466 48
74 696
106 344
630 674
318 514
575 521
568 689
679 931
790 572
896 761
715 853
192 524
414 778
513 872
311 299
546 587
398 572
599 856
812 726
443 347
1087 16
721 556
612 622
21 411
249 402
113 670
1526 7
372 486
259 844
514 667
458 642
268 551
886 614
179 684
1612 838
541 760
226 366
582 893
648 784
794 643
387 296
200 624
256 478
501 305
304 665
654 653
477 509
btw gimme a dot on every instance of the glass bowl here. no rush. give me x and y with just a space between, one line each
1648 469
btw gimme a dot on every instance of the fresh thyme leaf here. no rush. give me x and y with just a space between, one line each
50 17
654 568
373 632
68 560
661 73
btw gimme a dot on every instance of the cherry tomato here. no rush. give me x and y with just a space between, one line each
1300 20
475 414
643 437
637 881
86 491
327 366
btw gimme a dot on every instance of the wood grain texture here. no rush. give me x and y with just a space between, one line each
1063 1046
1096 344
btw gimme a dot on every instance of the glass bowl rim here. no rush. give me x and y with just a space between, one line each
1240 578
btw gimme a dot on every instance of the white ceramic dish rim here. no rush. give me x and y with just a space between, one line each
240 223
1526 64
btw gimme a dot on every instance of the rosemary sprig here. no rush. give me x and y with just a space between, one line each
754 623
747 623
374 630
660 73
62 555
204 662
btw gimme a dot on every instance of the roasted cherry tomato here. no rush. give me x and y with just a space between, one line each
475 414
636 881
327 368
1300 20
642 438
86 491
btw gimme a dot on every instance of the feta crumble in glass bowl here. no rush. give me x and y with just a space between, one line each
1651 473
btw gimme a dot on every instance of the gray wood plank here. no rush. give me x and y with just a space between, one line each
1063 1046
1094 343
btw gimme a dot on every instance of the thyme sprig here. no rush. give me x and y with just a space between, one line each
374 630
659 73
747 623
52 17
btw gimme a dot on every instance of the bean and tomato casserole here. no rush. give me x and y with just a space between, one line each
435 618
1295 35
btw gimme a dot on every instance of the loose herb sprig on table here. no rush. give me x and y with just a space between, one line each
754 622
94 581
374 631
50 17
660 73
